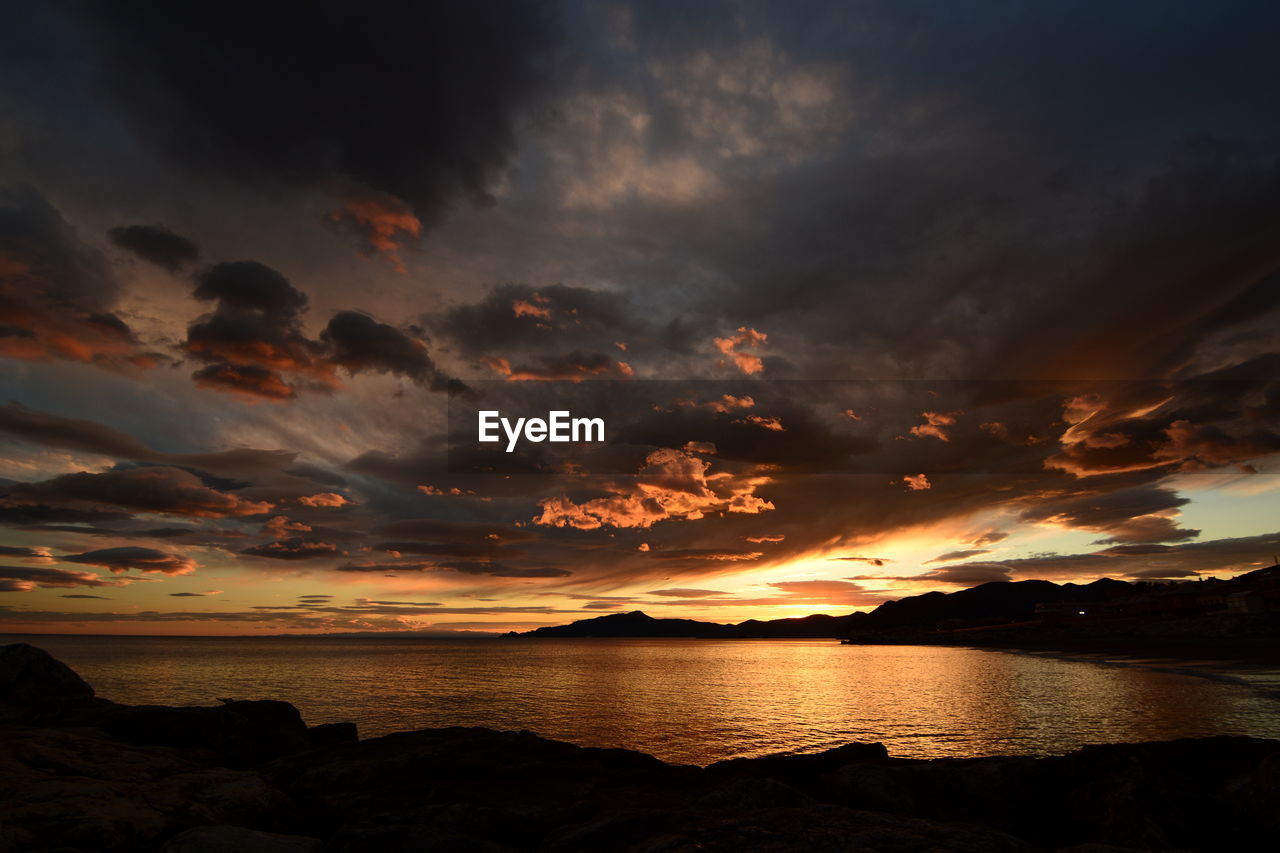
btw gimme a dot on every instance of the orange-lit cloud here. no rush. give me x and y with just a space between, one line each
671 485
917 482
383 223
535 306
770 423
935 425
746 338
574 367
328 500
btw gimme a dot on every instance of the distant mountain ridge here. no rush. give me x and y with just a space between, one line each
994 603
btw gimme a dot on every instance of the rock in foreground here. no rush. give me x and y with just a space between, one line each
81 773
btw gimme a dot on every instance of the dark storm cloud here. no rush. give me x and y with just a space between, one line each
417 101
157 245
56 293
1080 179
134 557
884 189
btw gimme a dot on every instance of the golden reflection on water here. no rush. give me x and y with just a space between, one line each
692 701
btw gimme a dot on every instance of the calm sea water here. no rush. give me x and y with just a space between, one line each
691 701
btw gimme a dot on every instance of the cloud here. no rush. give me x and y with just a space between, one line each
161 489
874 561
327 500
35 555
498 570
255 345
957 555
26 578
1186 426
293 549
769 423
261 106
134 557
382 223
711 555
1140 562
157 245
359 344
1162 574
56 293
254 335
935 425
207 592
746 338
1134 514
682 592
521 318
573 367
917 482
671 485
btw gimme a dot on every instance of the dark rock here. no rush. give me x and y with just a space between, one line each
34 683
333 734
236 839
752 794
803 765
242 733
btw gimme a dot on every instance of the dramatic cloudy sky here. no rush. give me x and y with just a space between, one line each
879 297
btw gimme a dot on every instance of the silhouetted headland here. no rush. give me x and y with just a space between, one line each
80 773
1240 616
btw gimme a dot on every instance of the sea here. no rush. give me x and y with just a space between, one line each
698 701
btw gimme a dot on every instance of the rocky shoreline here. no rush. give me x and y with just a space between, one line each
80 773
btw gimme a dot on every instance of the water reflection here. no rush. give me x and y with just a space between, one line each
691 701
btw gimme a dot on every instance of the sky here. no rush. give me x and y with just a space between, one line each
878 298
